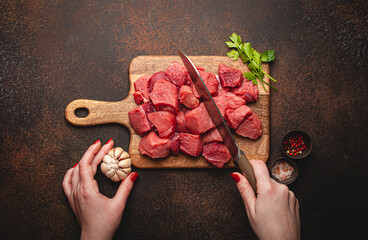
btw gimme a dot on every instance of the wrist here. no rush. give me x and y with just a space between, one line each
95 234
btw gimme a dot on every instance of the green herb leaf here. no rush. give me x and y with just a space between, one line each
230 44
252 66
256 58
236 39
248 50
249 76
252 58
243 57
268 56
233 54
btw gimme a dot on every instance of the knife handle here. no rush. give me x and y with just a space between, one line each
243 165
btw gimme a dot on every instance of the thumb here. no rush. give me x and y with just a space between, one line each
245 190
125 188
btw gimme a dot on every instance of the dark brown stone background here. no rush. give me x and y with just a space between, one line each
53 52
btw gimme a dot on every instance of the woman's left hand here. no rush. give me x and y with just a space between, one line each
98 215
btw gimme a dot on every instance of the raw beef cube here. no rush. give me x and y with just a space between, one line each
247 91
177 74
232 100
221 105
229 77
198 120
141 93
191 144
221 90
235 116
165 123
154 146
211 82
212 135
138 118
200 68
187 97
164 94
180 122
216 153
139 97
175 144
155 77
195 92
166 108
251 127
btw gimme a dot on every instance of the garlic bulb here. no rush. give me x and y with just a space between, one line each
116 164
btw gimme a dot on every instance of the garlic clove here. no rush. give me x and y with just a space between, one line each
125 163
110 173
115 178
108 159
121 174
114 166
104 168
118 151
127 170
111 152
124 155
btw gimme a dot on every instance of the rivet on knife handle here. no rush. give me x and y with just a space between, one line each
242 163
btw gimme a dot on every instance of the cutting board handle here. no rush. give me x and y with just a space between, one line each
99 112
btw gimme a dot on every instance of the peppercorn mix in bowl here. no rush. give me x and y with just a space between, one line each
296 144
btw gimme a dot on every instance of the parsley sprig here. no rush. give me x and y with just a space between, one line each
251 57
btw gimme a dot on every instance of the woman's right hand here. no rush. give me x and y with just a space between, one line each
274 213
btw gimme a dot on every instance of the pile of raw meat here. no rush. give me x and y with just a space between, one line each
171 117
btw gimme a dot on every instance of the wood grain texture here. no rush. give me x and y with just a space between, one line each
100 112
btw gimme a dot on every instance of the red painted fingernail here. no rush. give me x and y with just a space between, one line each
134 176
75 165
235 177
97 141
109 141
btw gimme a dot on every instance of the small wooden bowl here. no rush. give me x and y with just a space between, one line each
307 142
292 177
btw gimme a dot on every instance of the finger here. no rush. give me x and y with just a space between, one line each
124 190
297 214
292 198
292 201
75 205
100 155
75 178
261 174
86 172
91 152
245 190
297 208
67 182
72 181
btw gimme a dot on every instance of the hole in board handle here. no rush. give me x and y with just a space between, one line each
81 112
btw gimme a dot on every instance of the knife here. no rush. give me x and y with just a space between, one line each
239 158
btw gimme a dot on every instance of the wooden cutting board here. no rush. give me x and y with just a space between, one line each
100 112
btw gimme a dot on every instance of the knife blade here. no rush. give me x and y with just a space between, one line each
239 158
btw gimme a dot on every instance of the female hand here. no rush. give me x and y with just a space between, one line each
98 215
274 213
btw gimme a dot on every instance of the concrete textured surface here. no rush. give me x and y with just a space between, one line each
52 52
